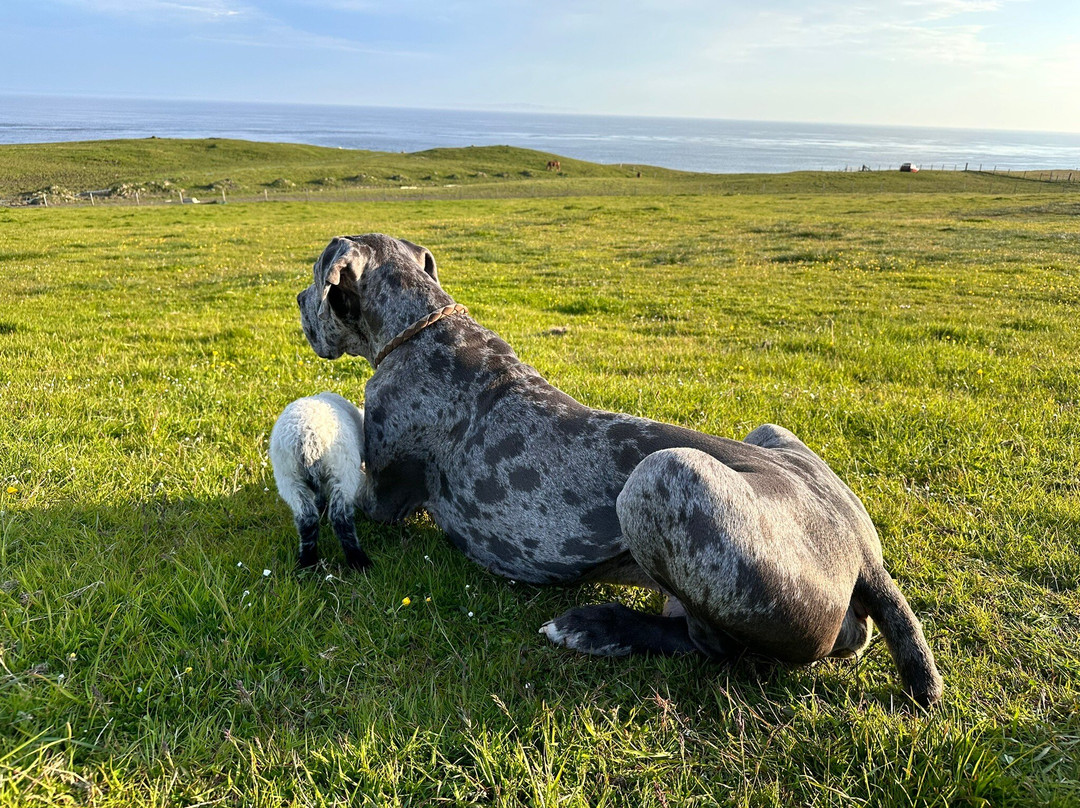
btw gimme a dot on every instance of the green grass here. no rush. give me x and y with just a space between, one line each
163 170
160 168
923 343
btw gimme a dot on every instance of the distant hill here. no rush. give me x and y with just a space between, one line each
163 169
159 167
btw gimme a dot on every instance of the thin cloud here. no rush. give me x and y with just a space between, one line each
196 10
946 9
914 31
284 37
231 23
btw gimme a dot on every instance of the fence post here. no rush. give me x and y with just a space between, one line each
266 195
222 196
45 199
181 195
137 202
91 199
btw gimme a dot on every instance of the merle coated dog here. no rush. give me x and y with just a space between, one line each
759 546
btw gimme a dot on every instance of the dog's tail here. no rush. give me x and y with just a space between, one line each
878 593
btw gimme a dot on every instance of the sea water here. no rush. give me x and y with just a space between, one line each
692 144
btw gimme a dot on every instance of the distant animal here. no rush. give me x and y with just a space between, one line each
758 545
317 452
554 165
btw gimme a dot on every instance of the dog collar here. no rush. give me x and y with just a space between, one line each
417 327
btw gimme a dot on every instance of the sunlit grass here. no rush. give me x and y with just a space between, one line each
924 344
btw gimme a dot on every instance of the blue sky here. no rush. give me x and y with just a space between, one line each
1012 64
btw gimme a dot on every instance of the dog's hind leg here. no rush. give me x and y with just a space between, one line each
854 633
669 521
612 629
745 574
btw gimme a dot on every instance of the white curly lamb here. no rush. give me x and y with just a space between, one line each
317 448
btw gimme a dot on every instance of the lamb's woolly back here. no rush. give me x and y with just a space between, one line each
317 441
305 431
316 428
316 448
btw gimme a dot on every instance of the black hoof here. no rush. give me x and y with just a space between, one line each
357 559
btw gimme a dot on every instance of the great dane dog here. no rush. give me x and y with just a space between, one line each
758 545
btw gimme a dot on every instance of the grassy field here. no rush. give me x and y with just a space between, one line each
161 169
215 170
157 647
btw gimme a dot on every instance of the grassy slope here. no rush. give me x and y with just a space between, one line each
924 344
244 169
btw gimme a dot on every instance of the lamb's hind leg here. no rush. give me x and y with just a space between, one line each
306 517
347 482
342 512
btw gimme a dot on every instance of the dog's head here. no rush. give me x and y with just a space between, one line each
364 285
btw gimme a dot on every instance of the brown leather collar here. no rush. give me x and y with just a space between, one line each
417 327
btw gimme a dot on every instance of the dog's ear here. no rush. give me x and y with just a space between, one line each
340 266
424 256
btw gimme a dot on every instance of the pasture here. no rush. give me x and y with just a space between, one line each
157 646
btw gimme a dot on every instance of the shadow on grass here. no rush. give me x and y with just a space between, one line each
183 558
184 623
175 635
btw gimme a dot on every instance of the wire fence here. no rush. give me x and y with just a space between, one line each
1038 174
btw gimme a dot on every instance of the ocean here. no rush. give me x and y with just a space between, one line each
691 144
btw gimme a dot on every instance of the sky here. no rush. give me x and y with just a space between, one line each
1000 64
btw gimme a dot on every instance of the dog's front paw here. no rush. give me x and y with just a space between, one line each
590 630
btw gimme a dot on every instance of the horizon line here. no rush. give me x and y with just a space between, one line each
527 109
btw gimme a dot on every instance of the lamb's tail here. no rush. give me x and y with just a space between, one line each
878 593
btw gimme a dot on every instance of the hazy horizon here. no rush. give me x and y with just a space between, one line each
527 109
